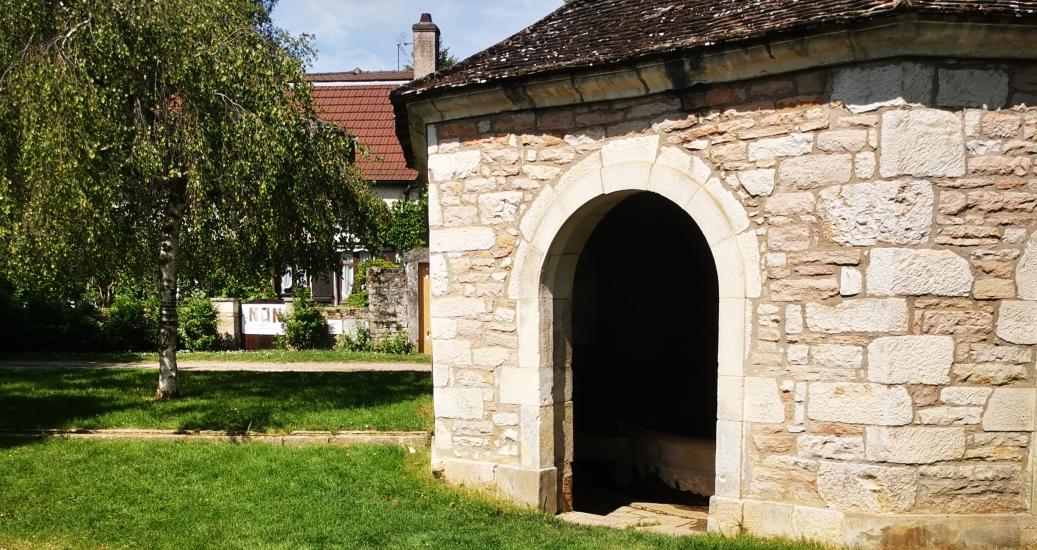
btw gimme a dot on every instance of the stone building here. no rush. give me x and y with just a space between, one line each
780 255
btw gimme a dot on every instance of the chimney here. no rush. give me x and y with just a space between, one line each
426 46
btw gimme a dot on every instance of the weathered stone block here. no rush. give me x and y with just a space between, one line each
495 208
858 315
789 238
837 356
972 88
914 445
869 88
810 171
1026 271
854 403
850 281
864 165
461 403
835 447
725 516
636 149
768 519
911 360
907 272
462 239
1017 322
867 487
447 307
787 146
950 416
842 141
922 143
763 401
453 352
757 182
452 166
965 395
988 353
1011 410
789 204
897 212
795 290
818 524
993 289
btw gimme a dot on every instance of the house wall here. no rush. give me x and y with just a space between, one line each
875 234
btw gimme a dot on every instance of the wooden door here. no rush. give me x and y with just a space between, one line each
424 311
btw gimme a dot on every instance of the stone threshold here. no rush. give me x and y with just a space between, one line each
665 519
411 440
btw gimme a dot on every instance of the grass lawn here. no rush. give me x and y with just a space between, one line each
264 356
76 494
271 402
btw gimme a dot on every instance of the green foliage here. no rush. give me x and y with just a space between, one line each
305 326
198 319
396 344
362 342
358 299
131 322
408 225
130 127
73 321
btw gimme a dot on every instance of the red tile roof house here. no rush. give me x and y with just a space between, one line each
775 259
358 102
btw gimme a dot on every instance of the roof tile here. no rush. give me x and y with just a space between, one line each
587 33
365 112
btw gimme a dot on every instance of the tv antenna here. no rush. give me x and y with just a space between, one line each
401 47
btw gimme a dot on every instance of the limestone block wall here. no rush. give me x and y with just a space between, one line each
885 218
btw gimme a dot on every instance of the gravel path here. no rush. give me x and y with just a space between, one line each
222 366
401 439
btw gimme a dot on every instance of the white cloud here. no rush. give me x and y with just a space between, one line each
363 33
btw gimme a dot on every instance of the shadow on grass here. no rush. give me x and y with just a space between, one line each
234 401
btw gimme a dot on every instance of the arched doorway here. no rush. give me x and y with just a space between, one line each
644 317
554 233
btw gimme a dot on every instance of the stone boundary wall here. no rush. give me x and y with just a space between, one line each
888 372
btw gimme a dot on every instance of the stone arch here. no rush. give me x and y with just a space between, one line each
553 232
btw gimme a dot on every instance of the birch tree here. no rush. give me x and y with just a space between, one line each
167 138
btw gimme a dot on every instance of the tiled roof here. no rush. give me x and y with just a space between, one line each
588 33
365 112
356 75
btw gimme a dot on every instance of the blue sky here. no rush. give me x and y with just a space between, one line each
363 33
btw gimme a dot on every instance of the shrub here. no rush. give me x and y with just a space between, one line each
363 341
305 326
198 318
38 321
408 224
397 344
358 299
131 322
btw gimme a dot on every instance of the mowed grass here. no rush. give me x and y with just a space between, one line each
77 494
259 356
264 402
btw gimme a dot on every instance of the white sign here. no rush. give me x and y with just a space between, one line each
263 319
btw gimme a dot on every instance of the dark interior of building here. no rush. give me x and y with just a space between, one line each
644 350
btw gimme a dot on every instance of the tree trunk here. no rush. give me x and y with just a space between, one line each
168 322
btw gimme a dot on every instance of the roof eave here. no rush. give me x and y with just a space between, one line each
889 36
